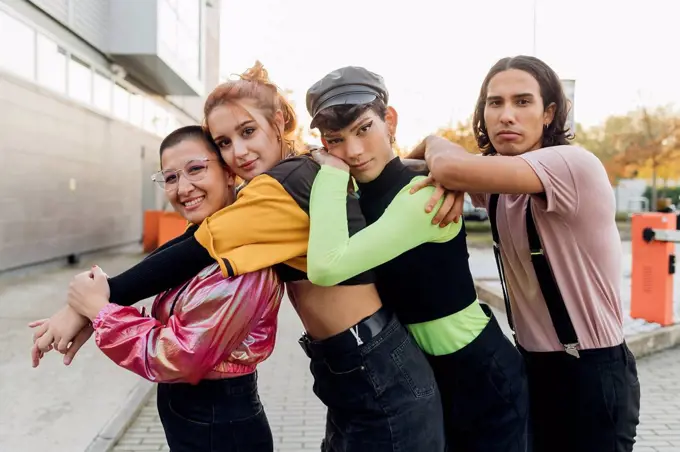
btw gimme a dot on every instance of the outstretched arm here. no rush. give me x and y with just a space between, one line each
457 169
333 256
160 271
264 227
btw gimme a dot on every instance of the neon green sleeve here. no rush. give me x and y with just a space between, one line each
333 256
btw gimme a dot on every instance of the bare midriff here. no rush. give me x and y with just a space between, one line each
327 311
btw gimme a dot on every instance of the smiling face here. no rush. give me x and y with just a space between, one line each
514 114
247 140
196 183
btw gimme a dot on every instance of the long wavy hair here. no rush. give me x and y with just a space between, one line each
551 91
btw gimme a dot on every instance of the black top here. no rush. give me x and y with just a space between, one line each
182 258
425 283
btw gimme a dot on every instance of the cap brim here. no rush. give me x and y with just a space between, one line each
343 99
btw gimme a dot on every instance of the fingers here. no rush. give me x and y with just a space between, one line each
444 210
62 345
422 184
439 191
319 155
77 343
36 323
40 331
457 210
45 341
452 215
36 356
98 273
81 338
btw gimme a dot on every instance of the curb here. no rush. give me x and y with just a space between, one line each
107 438
642 344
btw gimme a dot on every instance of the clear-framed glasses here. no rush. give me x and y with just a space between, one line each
194 170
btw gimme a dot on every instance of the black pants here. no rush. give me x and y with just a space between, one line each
484 393
214 416
589 404
381 393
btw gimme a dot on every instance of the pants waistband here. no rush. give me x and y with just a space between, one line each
483 345
242 384
351 339
593 355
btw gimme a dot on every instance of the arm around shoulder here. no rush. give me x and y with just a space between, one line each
459 170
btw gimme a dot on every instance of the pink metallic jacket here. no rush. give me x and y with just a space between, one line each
208 328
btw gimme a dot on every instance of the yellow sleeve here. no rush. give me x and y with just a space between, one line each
265 226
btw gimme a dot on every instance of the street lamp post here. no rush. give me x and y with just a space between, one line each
535 2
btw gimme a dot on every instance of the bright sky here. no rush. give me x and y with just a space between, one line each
434 54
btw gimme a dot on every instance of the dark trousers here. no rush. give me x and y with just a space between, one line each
214 416
381 394
484 393
589 404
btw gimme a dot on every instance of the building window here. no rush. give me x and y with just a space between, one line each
32 55
121 102
136 110
150 115
17 46
51 64
189 32
102 91
79 80
167 27
179 33
173 123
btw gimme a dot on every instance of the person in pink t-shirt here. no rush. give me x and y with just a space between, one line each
559 253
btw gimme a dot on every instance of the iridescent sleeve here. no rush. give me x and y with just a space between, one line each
212 318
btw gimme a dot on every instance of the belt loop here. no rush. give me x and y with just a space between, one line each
304 344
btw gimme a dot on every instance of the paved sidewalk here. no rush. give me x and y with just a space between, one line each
63 409
54 407
297 417
659 428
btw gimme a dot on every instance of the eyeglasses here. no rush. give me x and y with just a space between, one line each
194 170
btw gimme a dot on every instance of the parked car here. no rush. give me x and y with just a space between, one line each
473 213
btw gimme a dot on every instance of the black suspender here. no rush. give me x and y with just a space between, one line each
493 207
546 280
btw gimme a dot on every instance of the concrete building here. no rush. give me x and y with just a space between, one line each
87 90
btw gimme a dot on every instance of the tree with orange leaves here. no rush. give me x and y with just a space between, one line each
461 134
641 143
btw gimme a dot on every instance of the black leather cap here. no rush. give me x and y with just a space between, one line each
351 85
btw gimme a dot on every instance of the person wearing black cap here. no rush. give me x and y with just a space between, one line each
380 392
422 268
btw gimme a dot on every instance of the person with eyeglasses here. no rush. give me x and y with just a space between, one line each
206 336
380 392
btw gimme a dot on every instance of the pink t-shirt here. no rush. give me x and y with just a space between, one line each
576 223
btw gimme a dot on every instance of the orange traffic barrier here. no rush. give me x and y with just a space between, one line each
653 268
170 225
150 233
